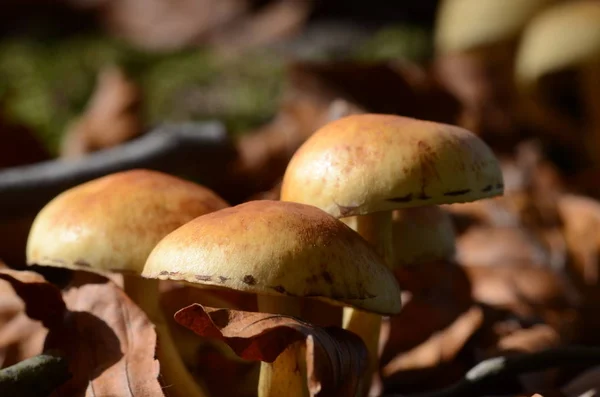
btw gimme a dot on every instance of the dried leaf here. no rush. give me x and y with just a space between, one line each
335 358
167 25
108 340
439 293
174 296
270 24
20 336
585 385
111 118
441 347
527 290
43 301
380 87
495 246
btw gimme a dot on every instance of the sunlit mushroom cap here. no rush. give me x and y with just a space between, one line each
464 25
277 248
422 235
112 223
561 37
369 163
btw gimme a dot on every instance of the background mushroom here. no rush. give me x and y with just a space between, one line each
475 44
562 45
110 225
370 164
280 252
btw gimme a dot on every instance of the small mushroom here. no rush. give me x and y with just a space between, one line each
565 37
371 164
280 252
110 225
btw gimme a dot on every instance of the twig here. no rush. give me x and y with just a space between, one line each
484 378
195 150
35 377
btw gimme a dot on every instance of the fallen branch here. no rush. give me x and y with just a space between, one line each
35 377
484 378
195 150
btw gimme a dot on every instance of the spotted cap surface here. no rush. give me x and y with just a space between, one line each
277 248
112 223
367 163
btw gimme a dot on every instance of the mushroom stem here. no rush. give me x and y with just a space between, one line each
286 376
376 228
174 373
591 91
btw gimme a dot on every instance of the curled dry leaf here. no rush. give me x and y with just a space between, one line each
209 359
335 358
108 340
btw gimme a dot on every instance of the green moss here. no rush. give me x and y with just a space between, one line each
46 86
397 42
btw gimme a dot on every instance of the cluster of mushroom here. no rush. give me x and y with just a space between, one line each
151 226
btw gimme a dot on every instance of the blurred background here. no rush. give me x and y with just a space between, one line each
81 77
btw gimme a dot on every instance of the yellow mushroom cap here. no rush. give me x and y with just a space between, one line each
277 248
561 37
368 163
112 223
464 25
422 235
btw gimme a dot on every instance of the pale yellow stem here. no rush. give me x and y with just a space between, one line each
286 376
175 375
376 228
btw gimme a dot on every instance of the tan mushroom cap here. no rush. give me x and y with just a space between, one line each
561 37
369 163
422 235
277 248
464 25
112 223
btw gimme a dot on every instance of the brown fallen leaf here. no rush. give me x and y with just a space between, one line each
108 340
528 291
335 358
272 23
174 296
586 384
440 348
20 336
111 118
162 25
500 245
538 338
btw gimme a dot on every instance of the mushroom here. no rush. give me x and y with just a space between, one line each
475 43
280 252
370 164
565 37
110 225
